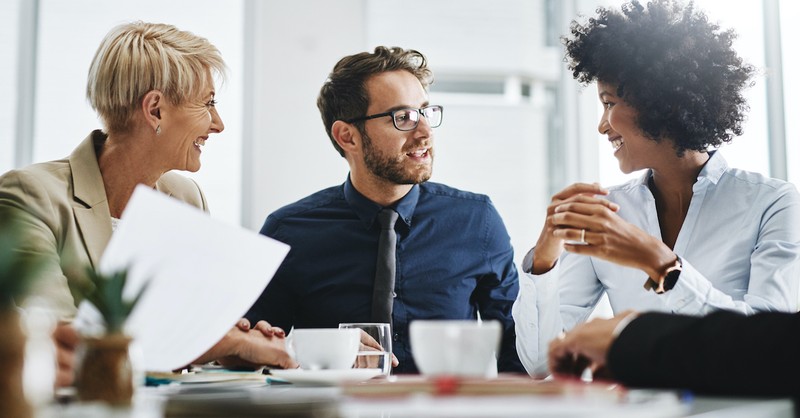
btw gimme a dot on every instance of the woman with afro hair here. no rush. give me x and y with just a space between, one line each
692 235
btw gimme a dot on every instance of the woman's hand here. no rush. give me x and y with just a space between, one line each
257 349
606 235
550 245
243 346
66 339
263 326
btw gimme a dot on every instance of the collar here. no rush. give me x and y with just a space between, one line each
86 178
367 210
91 205
715 167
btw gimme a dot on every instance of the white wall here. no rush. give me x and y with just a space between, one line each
293 50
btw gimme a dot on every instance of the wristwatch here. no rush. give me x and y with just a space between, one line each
666 281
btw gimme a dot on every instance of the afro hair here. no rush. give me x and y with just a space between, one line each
677 69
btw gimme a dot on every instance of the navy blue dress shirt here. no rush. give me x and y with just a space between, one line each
454 260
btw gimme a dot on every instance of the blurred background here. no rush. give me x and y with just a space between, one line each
516 126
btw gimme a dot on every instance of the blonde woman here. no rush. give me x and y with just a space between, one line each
153 87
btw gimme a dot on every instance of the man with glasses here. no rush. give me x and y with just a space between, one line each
387 245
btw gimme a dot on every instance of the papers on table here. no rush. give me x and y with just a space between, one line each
203 276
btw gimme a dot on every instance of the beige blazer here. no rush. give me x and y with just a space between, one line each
64 203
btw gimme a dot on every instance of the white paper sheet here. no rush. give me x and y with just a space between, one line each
204 275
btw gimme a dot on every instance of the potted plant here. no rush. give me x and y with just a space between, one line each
17 271
104 372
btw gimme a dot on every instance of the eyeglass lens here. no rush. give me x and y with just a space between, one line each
407 119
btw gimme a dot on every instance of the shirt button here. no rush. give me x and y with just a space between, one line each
396 336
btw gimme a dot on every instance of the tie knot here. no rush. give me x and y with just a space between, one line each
387 218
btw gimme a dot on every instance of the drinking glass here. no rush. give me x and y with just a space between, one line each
374 334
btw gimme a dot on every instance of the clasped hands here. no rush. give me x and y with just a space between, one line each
577 214
246 347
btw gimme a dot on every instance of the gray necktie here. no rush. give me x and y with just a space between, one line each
383 291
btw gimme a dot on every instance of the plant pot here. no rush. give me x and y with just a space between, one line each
12 356
105 372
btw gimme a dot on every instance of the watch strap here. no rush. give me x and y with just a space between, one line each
667 280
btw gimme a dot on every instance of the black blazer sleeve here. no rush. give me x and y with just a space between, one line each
722 353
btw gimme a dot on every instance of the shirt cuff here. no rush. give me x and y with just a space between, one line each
690 292
623 323
527 261
527 265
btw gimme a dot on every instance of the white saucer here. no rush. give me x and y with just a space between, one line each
325 377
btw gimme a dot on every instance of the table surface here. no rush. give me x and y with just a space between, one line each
253 398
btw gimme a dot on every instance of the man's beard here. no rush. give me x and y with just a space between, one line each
392 168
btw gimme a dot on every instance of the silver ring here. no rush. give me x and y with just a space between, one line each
583 235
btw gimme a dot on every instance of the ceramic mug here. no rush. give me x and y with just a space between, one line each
455 347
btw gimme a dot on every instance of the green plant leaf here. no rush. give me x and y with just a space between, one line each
105 292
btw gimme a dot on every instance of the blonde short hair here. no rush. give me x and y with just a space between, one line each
139 57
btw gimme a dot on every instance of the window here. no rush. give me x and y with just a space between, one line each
9 32
790 13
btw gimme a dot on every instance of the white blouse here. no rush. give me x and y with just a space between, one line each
739 243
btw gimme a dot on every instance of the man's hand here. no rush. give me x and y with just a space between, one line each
586 346
370 344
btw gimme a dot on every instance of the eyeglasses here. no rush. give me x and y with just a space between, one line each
408 119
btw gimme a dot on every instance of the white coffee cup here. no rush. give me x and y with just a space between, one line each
325 348
455 348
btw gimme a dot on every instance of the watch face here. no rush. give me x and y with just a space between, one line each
672 278
667 281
